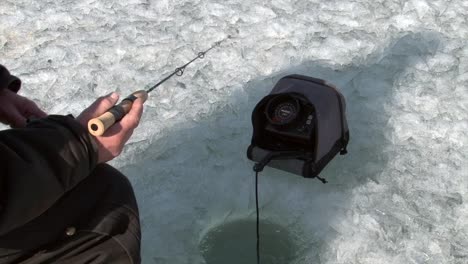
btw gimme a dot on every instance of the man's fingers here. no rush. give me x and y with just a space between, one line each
38 112
124 128
101 105
113 140
132 119
16 120
32 110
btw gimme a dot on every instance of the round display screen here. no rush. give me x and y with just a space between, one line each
285 113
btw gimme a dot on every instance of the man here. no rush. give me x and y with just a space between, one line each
59 201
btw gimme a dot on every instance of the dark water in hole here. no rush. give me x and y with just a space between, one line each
235 243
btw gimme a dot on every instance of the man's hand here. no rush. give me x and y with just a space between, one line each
16 109
113 140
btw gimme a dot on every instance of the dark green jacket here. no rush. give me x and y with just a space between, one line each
38 164
50 182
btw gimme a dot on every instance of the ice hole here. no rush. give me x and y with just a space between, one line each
235 242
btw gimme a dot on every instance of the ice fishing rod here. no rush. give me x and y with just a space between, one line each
97 126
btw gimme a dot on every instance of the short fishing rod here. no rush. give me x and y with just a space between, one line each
97 126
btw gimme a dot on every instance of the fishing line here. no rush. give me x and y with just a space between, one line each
258 217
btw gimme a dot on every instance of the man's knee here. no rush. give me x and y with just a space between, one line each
116 211
102 205
112 176
116 187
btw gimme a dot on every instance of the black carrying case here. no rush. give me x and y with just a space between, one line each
330 135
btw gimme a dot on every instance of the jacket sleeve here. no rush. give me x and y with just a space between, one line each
39 164
8 81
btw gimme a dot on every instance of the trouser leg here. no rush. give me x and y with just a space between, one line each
96 222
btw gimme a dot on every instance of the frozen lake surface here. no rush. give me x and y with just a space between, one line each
399 196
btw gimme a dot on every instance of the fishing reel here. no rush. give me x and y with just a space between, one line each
290 118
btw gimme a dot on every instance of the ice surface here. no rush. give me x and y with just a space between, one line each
400 196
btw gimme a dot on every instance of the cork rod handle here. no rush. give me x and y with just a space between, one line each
97 126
